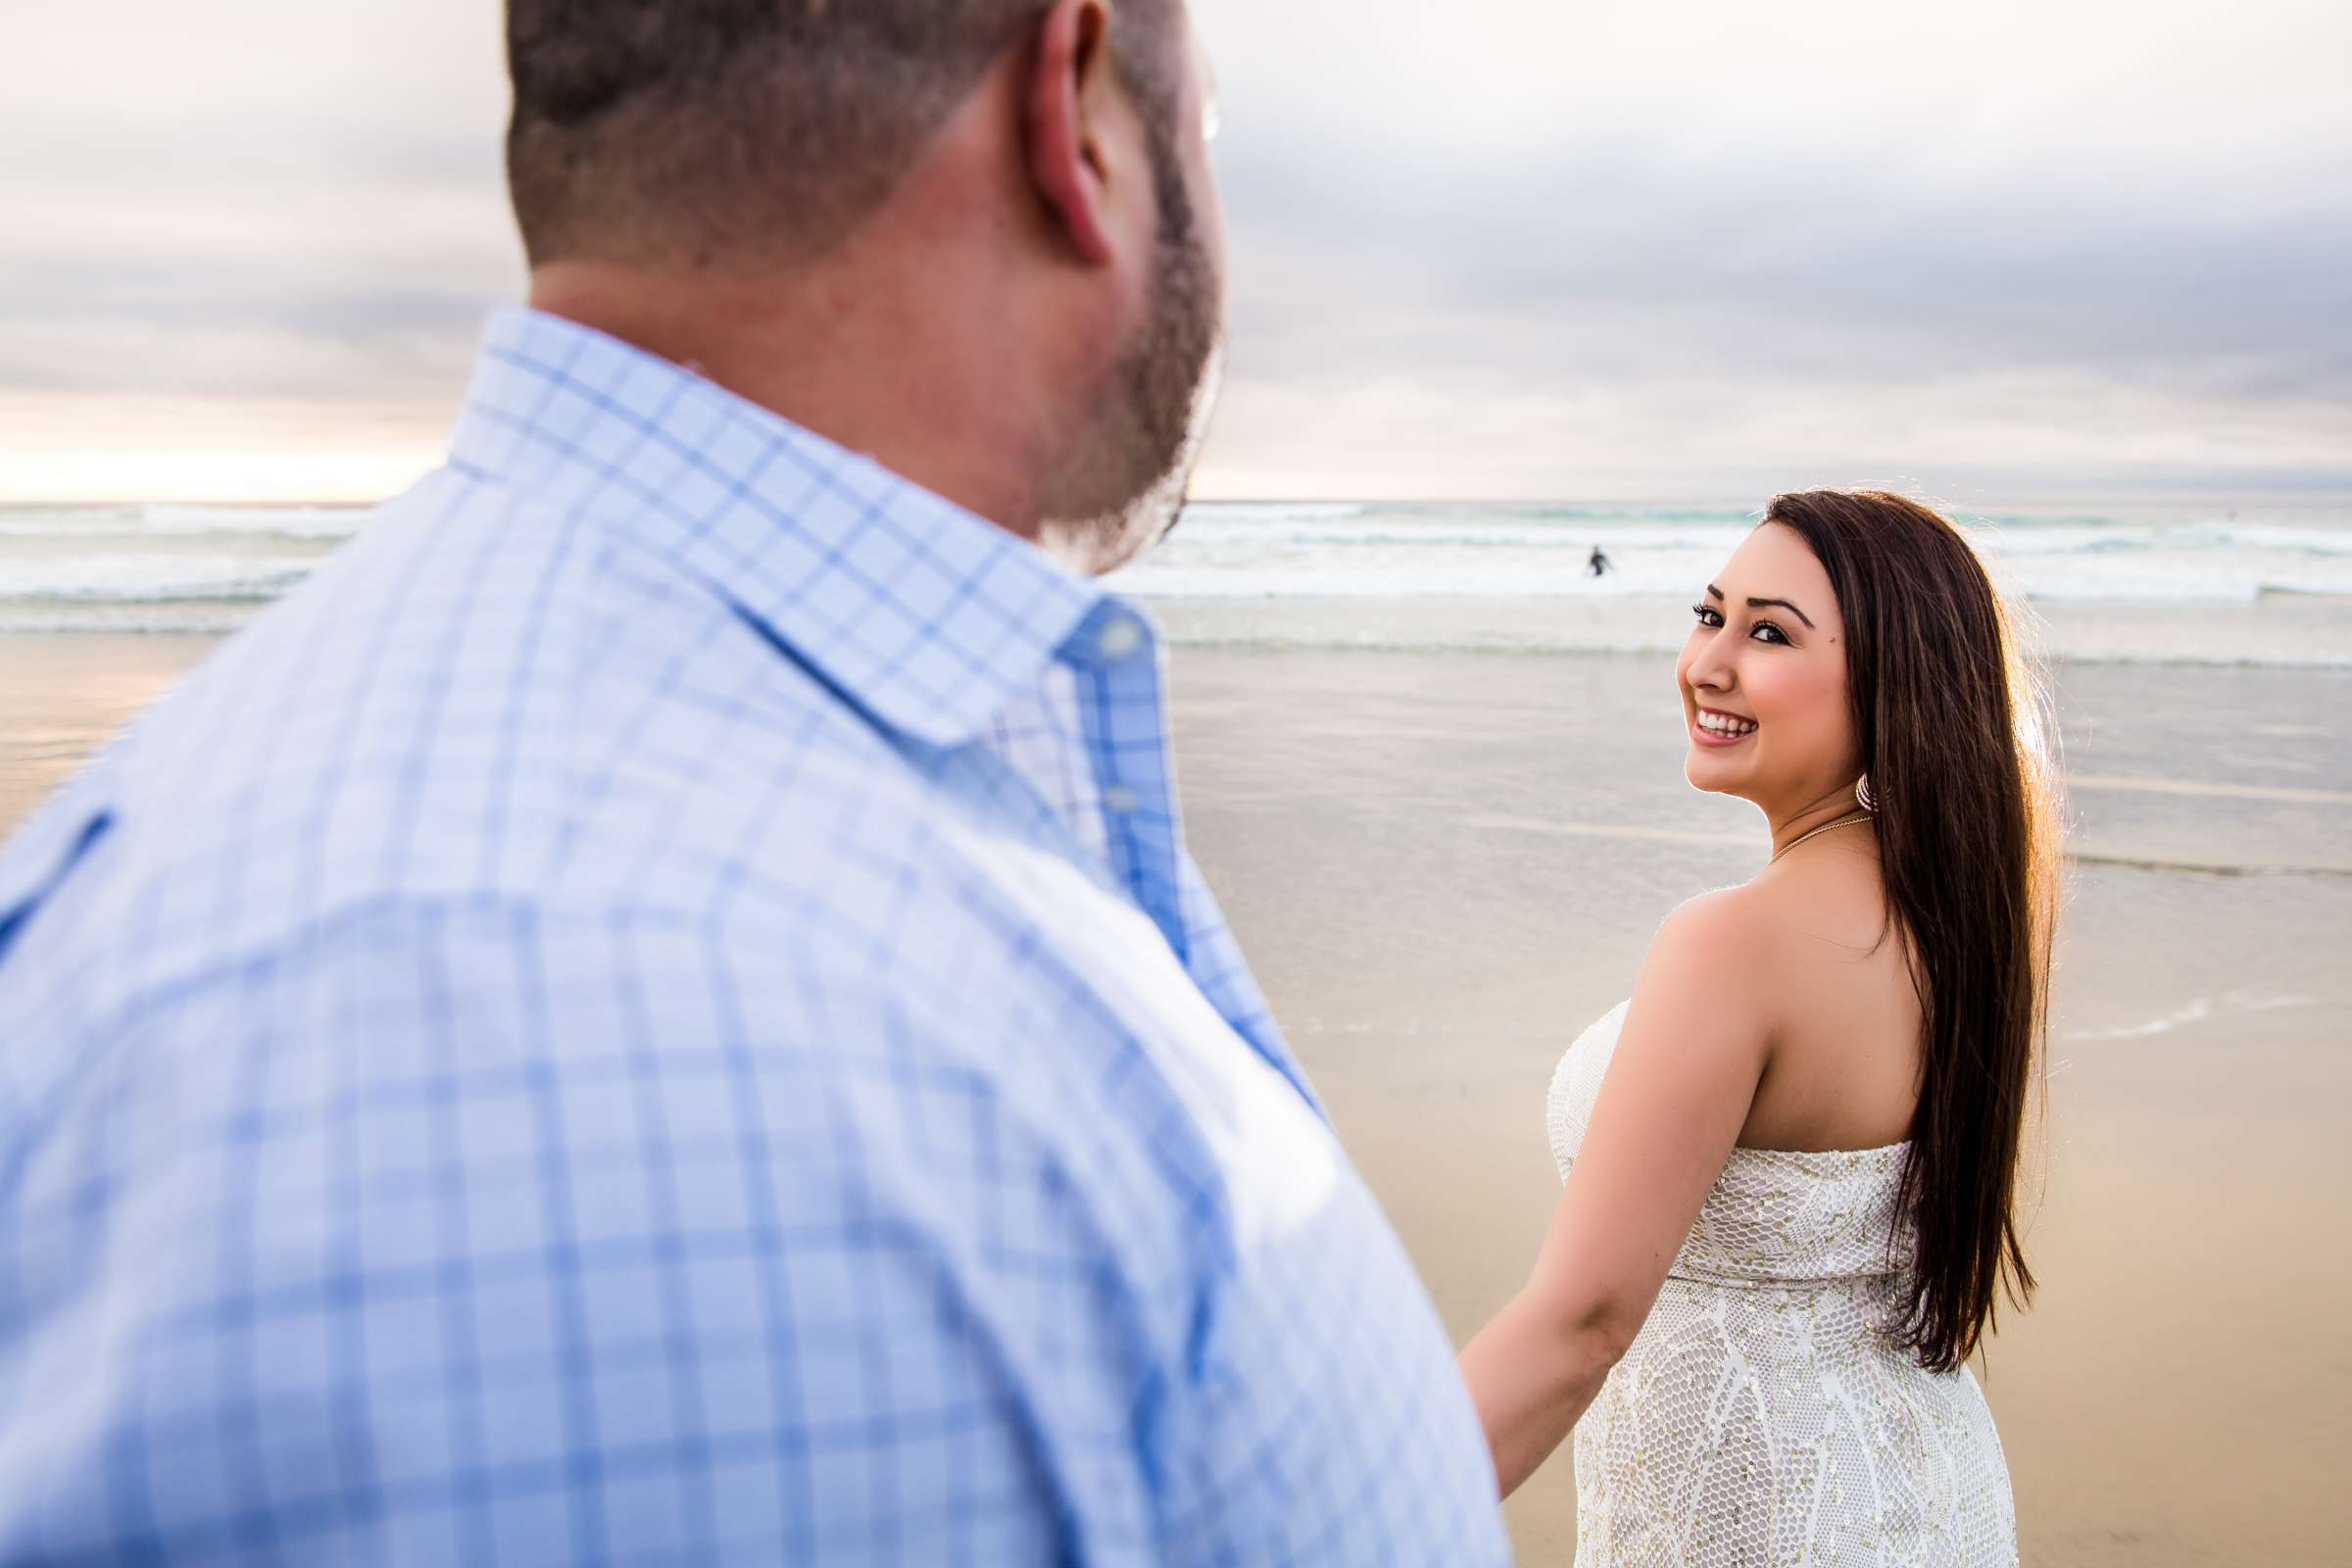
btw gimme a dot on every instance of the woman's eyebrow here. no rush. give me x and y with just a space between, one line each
1767 604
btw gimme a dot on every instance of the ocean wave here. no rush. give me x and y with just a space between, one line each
1235 534
297 522
67 522
2212 538
1547 512
149 579
324 524
205 618
1275 511
1228 585
1354 524
1222 585
218 619
1666 647
1576 531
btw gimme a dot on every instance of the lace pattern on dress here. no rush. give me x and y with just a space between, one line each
1765 1415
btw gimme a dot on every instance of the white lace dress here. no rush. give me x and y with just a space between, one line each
1764 1418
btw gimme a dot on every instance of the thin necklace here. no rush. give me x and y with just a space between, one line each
1844 821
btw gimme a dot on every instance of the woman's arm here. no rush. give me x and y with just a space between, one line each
1689 1059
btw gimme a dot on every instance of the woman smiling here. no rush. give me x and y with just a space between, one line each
1790 1159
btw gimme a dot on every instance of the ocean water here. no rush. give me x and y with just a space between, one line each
2259 581
2189 581
2152 554
160 569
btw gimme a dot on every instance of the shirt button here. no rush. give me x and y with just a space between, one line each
1120 799
1120 638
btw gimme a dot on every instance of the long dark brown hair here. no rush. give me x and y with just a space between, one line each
1954 742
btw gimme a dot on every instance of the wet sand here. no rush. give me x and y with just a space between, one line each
64 695
1444 865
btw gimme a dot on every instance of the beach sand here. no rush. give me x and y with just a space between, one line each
1444 865
61 696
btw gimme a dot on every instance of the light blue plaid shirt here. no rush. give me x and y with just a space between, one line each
655 1012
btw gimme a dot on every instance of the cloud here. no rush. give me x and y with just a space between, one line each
2006 247
1783 318
1493 247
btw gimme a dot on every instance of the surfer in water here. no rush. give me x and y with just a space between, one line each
1600 564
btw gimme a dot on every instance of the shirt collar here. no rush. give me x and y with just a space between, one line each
923 614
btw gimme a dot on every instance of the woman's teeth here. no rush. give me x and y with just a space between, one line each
1725 726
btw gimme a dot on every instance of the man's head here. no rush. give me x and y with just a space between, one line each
1019 183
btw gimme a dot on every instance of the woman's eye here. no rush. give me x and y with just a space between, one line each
1766 631
1708 617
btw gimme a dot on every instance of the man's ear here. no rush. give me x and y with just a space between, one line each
1070 154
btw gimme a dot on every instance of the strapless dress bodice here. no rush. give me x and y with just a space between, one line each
1774 1215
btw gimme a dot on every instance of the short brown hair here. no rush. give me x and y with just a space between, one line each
660 128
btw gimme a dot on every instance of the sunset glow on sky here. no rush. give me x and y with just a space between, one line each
1497 248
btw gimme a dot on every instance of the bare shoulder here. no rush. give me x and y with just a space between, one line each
1743 957
1706 986
1725 933
1782 1000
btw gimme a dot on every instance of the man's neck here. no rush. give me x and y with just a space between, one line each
873 372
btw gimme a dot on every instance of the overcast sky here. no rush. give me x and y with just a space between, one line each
1480 248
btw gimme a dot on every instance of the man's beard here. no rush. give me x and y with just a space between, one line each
1126 482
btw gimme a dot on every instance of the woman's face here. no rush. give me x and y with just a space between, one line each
1763 679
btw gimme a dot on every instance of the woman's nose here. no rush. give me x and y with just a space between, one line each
1710 668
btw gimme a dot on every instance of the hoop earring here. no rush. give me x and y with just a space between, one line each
1862 795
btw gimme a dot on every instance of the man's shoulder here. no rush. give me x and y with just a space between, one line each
471 703
815 908
473 996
